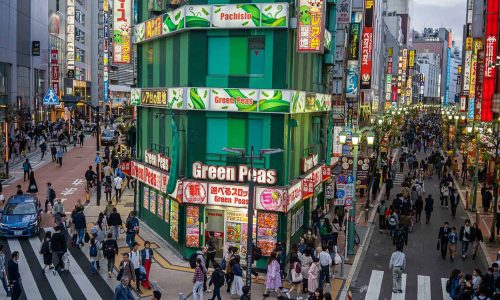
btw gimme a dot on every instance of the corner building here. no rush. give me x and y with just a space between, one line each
214 75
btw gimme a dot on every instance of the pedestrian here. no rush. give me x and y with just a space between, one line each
59 156
381 216
59 247
237 284
306 260
476 239
50 195
107 190
388 187
26 169
445 193
465 237
455 283
429 207
94 250
135 258
64 144
132 225
110 250
452 242
3 272
14 276
75 138
273 277
217 279
310 238
201 254
80 223
316 220
82 137
90 177
117 182
325 261
397 264
198 276
454 199
487 198
115 222
43 148
46 252
53 152
146 259
443 237
226 264
340 213
312 276
296 274
19 190
122 290
211 249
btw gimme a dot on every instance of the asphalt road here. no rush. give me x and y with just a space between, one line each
425 267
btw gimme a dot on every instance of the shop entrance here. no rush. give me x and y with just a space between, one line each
215 222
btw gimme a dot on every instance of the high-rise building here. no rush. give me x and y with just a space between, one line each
429 66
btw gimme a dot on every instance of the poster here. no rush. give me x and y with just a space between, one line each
145 200
166 217
352 72
270 198
267 234
311 23
122 29
245 100
192 226
174 221
161 200
152 201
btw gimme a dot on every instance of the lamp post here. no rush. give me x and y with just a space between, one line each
251 185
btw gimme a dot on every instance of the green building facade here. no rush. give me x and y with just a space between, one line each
207 84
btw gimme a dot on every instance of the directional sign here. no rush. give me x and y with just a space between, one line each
50 98
349 190
350 179
98 160
348 202
340 193
341 179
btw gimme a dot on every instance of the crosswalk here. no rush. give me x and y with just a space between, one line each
423 287
76 283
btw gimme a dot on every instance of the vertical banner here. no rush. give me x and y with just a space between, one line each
479 49
343 11
366 46
311 24
54 71
70 36
411 59
122 27
353 53
106 51
352 77
490 53
448 75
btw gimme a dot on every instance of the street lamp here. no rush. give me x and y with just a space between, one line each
370 138
251 184
342 137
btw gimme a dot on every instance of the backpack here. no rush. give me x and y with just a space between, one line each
52 194
448 286
93 250
392 220
109 249
398 237
192 260
381 209
220 279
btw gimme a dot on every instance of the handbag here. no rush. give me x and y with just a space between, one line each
86 238
296 277
337 260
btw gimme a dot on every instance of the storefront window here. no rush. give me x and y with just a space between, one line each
192 226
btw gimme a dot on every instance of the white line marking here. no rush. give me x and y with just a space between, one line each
424 288
401 296
28 281
374 286
446 296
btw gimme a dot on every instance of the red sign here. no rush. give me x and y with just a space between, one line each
54 70
366 58
149 176
195 192
125 167
326 172
307 188
490 53
53 56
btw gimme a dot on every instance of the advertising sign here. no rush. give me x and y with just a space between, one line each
307 188
352 74
343 11
463 103
154 97
311 23
366 58
294 195
470 112
235 16
490 54
411 59
241 173
54 71
337 146
388 85
195 192
228 195
174 20
479 79
467 72
234 100
270 198
158 160
70 35
154 27
448 75
472 83
149 176
353 49
122 28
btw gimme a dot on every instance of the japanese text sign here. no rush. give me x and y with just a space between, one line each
122 29
311 20
228 195
490 54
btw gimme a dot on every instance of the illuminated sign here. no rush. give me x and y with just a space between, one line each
411 59
366 46
154 27
309 162
158 160
490 53
106 52
467 71
54 70
352 74
353 53
242 173
311 23
154 97
448 75
122 28
70 35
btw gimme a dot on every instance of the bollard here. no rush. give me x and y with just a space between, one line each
366 214
181 296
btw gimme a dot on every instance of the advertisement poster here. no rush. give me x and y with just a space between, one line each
122 29
236 16
174 221
198 98
490 58
294 195
270 198
366 58
467 72
363 172
354 35
145 200
198 16
352 73
173 21
274 101
311 23
152 201
237 228
267 235
161 205
245 100
228 195
192 226
337 146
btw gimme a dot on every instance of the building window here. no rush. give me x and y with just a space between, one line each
79 35
80 17
236 55
79 55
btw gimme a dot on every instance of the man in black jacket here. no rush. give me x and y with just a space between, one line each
14 276
443 239
115 222
59 246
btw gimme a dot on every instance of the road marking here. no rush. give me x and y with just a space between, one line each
81 279
446 296
55 281
374 286
78 182
401 296
68 191
28 281
424 287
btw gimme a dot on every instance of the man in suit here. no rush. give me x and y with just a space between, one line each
14 276
444 231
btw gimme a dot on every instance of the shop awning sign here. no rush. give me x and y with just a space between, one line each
228 195
294 195
270 199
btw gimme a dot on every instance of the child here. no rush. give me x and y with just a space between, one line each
312 275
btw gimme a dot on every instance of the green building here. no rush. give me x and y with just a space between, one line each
215 75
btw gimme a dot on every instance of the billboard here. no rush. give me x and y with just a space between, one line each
122 28
70 35
353 49
343 11
467 71
366 46
352 75
311 23
448 75
490 53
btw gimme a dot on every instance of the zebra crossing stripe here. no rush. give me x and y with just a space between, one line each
401 296
373 291
424 287
28 281
446 296
55 281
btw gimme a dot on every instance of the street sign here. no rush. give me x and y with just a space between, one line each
349 190
348 202
340 193
98 160
341 179
350 179
50 98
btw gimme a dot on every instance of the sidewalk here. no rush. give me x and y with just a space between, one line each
484 220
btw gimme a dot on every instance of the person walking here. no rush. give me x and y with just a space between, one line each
94 250
381 216
237 271
46 252
126 269
115 223
419 206
49 196
146 259
107 190
14 276
110 250
445 194
273 277
306 260
443 235
217 279
43 148
397 264
199 274
82 137
312 276
211 249
117 183
59 156
486 199
389 184
32 186
122 290
132 225
3 273
59 247
26 169
454 199
476 239
53 152
80 224
325 261
452 242
429 207
465 237
135 258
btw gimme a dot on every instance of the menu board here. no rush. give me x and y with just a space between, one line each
160 205
192 226
174 221
145 200
152 201
267 234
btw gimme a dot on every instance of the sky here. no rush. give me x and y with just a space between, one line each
440 13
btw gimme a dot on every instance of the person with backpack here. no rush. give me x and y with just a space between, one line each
198 278
26 169
43 148
399 237
59 246
107 190
94 255
392 221
132 225
381 216
110 250
135 258
90 176
146 259
46 252
217 279
50 196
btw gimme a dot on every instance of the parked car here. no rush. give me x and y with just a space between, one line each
109 137
20 216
